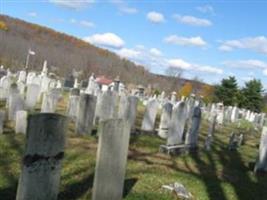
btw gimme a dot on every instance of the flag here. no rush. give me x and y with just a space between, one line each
31 52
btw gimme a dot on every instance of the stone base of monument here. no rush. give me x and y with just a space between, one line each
177 149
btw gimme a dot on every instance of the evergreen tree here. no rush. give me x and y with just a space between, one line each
253 98
227 91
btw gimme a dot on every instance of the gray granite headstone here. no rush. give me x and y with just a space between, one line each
21 121
165 120
40 175
192 138
32 94
261 164
177 124
111 159
150 115
86 114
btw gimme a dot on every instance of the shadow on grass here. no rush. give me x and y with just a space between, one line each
78 189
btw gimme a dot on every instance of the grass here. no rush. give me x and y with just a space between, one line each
219 174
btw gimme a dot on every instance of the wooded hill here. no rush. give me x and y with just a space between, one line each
64 53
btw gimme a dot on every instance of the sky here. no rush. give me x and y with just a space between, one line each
209 40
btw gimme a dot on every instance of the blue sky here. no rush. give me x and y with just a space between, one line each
205 39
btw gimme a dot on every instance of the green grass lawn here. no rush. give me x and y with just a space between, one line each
219 174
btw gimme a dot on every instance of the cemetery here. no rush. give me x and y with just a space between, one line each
101 141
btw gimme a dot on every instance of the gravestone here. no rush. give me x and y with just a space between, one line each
40 175
32 94
177 124
211 131
2 120
86 114
15 103
128 109
106 107
110 170
261 164
192 136
165 120
173 98
50 100
73 106
21 121
74 92
150 115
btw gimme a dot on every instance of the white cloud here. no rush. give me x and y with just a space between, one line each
246 64
123 7
87 23
106 39
72 4
32 14
128 53
155 52
155 17
185 41
73 21
257 44
191 20
265 72
205 9
181 64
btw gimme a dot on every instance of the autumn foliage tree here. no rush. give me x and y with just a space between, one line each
207 93
186 90
3 26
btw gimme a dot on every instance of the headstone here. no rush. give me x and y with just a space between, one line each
128 109
110 170
32 94
177 124
85 115
192 138
15 103
50 100
73 106
2 120
261 164
211 131
150 115
40 175
21 121
165 120
74 92
173 98
106 107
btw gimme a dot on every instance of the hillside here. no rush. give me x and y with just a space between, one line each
65 52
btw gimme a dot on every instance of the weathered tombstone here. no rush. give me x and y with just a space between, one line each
165 120
106 107
74 92
32 94
233 143
15 103
2 120
86 114
50 100
150 115
73 106
177 124
110 170
211 131
128 109
42 159
173 98
192 136
261 164
21 121
21 87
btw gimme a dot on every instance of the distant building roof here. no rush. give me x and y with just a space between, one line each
103 80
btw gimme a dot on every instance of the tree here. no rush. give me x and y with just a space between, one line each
253 98
175 74
227 91
3 26
186 90
207 92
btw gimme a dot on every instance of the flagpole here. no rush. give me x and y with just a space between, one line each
27 60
